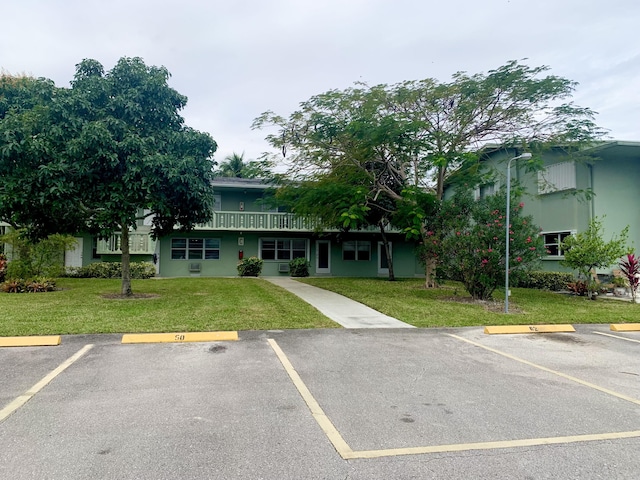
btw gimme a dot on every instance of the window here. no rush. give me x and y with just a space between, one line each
195 248
283 248
484 191
557 177
356 250
552 241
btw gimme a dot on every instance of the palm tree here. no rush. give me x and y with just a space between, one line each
233 166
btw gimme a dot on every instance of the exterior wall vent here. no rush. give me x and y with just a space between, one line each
194 267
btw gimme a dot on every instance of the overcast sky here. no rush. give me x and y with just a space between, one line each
237 59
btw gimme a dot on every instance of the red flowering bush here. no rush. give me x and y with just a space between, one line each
473 246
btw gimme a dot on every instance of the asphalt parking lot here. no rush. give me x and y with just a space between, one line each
326 404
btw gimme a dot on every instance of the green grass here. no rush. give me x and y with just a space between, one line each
211 304
182 304
409 301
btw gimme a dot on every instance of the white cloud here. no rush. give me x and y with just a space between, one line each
235 60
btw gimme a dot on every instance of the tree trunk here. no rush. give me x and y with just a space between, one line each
126 262
387 251
430 265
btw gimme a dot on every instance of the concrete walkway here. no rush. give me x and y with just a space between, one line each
340 309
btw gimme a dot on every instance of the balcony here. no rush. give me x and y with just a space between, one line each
139 244
262 221
266 221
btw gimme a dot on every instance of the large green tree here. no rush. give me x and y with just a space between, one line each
411 137
340 200
94 156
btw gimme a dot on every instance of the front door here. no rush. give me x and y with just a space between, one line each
73 256
323 256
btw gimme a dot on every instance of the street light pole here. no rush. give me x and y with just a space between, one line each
525 156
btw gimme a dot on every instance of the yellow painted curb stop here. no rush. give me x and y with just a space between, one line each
501 329
35 341
178 337
625 327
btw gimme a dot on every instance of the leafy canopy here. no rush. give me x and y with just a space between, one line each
93 156
404 142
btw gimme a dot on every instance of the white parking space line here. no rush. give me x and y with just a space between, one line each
28 395
617 336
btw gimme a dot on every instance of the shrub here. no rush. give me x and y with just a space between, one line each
35 285
13 286
299 267
3 267
587 251
474 245
554 281
139 270
619 282
579 287
40 284
250 267
42 258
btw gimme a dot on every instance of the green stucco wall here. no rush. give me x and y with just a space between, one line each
614 177
403 255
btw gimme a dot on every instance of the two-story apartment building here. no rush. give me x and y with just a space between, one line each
566 194
244 226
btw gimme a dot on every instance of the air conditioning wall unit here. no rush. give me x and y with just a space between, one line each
283 267
194 267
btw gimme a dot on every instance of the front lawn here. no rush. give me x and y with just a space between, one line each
450 306
212 304
174 305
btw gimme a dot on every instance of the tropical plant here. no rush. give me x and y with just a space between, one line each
13 286
630 267
234 165
40 284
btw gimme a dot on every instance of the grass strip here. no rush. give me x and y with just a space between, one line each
450 306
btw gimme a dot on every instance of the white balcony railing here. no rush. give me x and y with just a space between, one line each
265 221
139 244
257 221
